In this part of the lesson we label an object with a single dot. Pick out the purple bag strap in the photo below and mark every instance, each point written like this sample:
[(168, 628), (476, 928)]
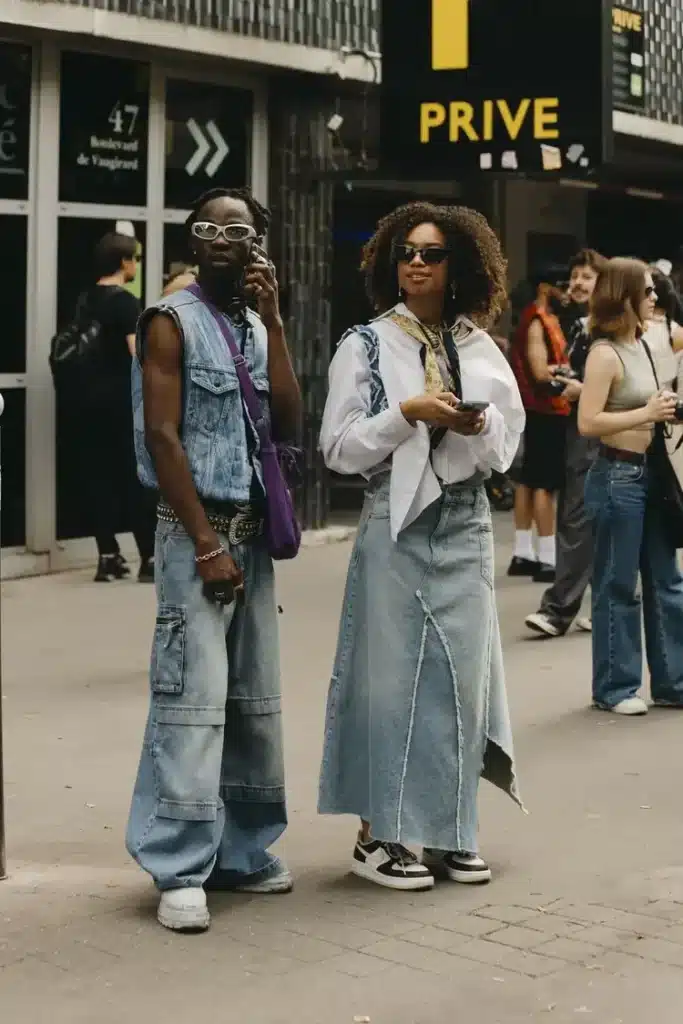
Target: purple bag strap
[(248, 392)]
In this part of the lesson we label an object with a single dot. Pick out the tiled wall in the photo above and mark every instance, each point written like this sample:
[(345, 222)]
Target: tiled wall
[(329, 24), (664, 35)]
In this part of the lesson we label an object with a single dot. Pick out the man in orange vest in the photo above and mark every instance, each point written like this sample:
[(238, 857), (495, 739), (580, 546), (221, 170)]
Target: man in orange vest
[(540, 362)]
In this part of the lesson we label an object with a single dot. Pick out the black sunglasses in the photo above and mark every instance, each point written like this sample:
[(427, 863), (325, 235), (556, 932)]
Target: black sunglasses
[(430, 255)]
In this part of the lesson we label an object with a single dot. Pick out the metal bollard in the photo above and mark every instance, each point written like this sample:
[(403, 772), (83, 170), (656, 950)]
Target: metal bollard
[(3, 856)]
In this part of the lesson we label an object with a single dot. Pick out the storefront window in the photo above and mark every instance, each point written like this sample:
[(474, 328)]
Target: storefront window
[(177, 255), (77, 239), (12, 468), (208, 133), (13, 232), (15, 118), (103, 130)]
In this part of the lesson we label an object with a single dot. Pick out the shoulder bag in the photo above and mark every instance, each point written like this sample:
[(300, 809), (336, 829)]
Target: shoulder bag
[(283, 533), (668, 491)]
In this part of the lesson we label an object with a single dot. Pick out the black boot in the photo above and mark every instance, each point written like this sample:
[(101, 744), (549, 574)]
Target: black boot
[(111, 567), (146, 573)]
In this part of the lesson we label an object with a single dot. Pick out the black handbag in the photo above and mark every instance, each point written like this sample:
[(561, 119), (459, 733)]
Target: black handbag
[(667, 491)]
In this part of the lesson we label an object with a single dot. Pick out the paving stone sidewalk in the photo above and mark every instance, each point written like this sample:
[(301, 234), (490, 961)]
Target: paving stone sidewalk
[(584, 919)]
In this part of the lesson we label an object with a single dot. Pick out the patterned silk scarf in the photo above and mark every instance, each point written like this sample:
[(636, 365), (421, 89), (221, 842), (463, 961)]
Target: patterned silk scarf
[(437, 380)]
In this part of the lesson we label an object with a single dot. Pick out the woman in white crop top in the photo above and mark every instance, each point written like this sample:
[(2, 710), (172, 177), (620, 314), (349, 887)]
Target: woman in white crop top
[(621, 402), (663, 334)]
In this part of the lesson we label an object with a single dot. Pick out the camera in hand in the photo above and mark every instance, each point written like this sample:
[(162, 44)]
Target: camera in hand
[(557, 387), (678, 412)]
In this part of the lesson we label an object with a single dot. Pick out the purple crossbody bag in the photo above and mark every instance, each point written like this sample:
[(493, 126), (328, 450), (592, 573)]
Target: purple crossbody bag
[(283, 533)]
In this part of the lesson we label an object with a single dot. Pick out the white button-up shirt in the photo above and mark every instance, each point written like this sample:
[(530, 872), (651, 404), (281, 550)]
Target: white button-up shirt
[(355, 442)]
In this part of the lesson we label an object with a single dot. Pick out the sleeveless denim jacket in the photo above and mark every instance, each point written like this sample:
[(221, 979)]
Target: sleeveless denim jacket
[(214, 422)]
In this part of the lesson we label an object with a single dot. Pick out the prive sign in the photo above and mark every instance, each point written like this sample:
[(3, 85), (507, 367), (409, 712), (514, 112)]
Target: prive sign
[(493, 85)]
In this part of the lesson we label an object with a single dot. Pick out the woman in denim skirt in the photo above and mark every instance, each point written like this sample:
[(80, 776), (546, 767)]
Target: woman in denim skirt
[(424, 405), (620, 403)]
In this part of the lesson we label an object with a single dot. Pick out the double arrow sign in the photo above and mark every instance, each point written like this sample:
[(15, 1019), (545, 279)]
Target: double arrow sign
[(203, 149)]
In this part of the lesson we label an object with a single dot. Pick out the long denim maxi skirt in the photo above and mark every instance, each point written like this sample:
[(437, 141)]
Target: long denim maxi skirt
[(417, 709)]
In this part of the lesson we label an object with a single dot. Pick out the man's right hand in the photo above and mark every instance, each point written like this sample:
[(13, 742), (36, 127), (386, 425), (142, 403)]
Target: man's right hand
[(222, 567)]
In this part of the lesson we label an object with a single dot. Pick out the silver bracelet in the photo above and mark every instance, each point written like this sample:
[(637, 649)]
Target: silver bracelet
[(211, 555)]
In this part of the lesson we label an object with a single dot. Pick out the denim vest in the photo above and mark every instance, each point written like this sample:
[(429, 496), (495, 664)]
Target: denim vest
[(222, 457)]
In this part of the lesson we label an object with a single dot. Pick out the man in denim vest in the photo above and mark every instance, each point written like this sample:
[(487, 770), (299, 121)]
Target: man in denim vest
[(209, 798)]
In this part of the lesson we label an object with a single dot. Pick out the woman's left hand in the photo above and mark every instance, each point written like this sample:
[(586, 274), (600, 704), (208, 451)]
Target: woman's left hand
[(261, 283)]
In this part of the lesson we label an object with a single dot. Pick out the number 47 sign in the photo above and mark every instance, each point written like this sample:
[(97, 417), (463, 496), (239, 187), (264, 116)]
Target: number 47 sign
[(123, 118), (451, 35)]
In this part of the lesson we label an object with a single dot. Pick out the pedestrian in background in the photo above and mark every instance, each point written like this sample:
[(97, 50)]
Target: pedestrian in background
[(417, 707), (115, 495), (539, 354), (620, 404), (561, 603)]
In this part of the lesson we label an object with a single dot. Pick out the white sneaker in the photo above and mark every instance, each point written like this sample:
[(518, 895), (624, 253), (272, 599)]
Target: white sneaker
[(184, 910), (584, 624), (390, 865), (280, 883), (631, 706), (466, 868), (540, 623)]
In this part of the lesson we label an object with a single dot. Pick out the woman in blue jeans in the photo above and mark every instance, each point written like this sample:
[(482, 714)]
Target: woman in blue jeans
[(620, 404)]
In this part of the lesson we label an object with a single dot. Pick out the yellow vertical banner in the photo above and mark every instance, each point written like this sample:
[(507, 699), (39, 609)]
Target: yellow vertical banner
[(451, 35)]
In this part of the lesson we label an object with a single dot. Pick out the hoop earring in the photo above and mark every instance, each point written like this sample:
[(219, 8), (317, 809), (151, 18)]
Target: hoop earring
[(453, 290)]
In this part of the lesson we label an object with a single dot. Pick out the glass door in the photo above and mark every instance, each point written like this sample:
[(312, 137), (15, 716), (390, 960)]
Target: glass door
[(16, 73)]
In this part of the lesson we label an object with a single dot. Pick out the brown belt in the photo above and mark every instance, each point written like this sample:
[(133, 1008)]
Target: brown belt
[(621, 455)]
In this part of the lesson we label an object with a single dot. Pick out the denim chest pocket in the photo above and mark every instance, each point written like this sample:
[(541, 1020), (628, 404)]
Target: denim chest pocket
[(212, 392)]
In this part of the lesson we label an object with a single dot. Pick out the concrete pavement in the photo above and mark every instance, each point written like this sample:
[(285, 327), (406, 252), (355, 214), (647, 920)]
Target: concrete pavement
[(584, 919)]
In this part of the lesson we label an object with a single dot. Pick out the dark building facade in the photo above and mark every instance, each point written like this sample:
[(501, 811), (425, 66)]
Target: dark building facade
[(268, 74)]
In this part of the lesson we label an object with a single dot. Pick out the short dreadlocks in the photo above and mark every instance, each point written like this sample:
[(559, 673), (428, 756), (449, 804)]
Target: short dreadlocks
[(260, 214), (476, 265)]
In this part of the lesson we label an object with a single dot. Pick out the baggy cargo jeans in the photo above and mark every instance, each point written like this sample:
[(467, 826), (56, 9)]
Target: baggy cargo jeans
[(209, 797)]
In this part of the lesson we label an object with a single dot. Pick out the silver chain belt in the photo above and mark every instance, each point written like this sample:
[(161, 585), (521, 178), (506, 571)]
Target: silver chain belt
[(243, 525)]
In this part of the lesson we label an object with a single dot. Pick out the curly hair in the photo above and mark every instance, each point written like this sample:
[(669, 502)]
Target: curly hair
[(476, 265), (259, 213)]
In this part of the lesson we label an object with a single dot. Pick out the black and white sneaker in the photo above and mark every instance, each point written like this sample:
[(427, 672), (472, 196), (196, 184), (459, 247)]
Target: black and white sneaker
[(466, 868), (390, 865)]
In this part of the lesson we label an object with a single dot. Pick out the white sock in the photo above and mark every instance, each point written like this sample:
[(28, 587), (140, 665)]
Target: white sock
[(546, 550), (524, 545)]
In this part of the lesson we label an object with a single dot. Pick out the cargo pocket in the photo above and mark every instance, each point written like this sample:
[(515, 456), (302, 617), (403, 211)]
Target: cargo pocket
[(168, 653)]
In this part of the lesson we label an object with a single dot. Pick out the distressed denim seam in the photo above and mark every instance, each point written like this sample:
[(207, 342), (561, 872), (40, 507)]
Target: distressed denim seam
[(411, 723), (458, 712)]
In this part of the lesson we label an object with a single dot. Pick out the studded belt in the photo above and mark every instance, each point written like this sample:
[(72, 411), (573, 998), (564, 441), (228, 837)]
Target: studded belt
[(239, 523)]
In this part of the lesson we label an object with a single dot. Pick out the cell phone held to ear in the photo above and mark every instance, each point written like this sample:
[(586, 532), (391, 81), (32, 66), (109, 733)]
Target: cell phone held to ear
[(473, 407)]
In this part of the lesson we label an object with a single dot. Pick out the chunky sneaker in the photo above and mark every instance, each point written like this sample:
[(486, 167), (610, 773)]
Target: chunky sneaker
[(540, 623), (280, 882), (184, 910), (522, 567), (467, 868), (111, 567), (584, 624), (630, 706), (390, 865)]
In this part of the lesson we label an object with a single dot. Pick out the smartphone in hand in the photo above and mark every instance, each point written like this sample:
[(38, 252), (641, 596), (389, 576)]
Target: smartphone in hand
[(473, 406)]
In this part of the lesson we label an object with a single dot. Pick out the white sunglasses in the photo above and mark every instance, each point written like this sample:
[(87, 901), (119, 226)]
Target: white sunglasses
[(208, 232)]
